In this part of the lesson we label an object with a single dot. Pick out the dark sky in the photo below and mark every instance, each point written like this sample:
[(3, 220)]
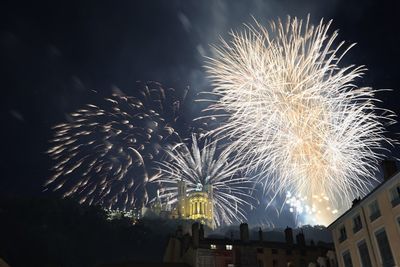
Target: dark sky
[(54, 53)]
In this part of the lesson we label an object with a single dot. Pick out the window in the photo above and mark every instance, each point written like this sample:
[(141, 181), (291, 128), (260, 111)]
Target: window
[(228, 247), (342, 234), (395, 195), (212, 246), (374, 211), (357, 224), (384, 248), (347, 259), (364, 254), (274, 251)]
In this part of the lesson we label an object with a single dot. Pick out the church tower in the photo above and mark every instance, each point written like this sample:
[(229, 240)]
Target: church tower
[(201, 205), (182, 199), (195, 205)]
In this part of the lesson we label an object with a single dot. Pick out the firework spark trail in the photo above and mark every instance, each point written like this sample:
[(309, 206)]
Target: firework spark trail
[(293, 114), (203, 166), (101, 153)]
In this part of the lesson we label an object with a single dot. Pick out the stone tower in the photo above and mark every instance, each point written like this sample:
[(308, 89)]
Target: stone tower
[(182, 199)]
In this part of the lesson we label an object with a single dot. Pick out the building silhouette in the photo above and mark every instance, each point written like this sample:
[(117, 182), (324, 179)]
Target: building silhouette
[(197, 251)]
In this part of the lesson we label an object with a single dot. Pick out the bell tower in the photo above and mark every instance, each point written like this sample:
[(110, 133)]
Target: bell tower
[(182, 199)]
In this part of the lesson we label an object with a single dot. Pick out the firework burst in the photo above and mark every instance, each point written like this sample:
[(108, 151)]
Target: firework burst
[(200, 168), (293, 115), (101, 153), (317, 213)]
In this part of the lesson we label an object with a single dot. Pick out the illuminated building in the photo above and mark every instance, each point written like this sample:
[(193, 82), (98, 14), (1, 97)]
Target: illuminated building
[(114, 214), (368, 234), (196, 205)]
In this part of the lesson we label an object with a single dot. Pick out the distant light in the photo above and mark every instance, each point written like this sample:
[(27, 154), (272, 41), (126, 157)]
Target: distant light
[(228, 247)]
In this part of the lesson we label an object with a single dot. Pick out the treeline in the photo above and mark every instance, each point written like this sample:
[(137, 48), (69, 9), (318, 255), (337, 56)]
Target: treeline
[(60, 232)]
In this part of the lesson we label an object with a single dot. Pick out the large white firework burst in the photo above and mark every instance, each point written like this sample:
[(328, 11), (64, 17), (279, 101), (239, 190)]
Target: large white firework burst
[(202, 167), (294, 115), (101, 153)]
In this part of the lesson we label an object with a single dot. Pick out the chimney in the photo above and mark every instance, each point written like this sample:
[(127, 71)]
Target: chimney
[(389, 169), (300, 239), (244, 232), (289, 235), (260, 234), (201, 232), (356, 201), (195, 234)]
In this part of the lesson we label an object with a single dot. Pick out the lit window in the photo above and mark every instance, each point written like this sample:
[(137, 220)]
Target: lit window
[(213, 246), (228, 247), (374, 211), (395, 195)]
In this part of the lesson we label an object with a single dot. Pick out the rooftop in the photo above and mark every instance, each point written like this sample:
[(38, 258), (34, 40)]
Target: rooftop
[(358, 202)]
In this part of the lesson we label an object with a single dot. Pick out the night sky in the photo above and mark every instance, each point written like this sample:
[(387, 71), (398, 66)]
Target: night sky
[(53, 55)]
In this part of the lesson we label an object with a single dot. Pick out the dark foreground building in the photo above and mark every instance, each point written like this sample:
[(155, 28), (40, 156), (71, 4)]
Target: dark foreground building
[(145, 264), (198, 251)]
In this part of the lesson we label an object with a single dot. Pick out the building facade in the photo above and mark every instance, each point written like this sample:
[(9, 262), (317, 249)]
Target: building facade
[(198, 251), (196, 205), (368, 234)]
